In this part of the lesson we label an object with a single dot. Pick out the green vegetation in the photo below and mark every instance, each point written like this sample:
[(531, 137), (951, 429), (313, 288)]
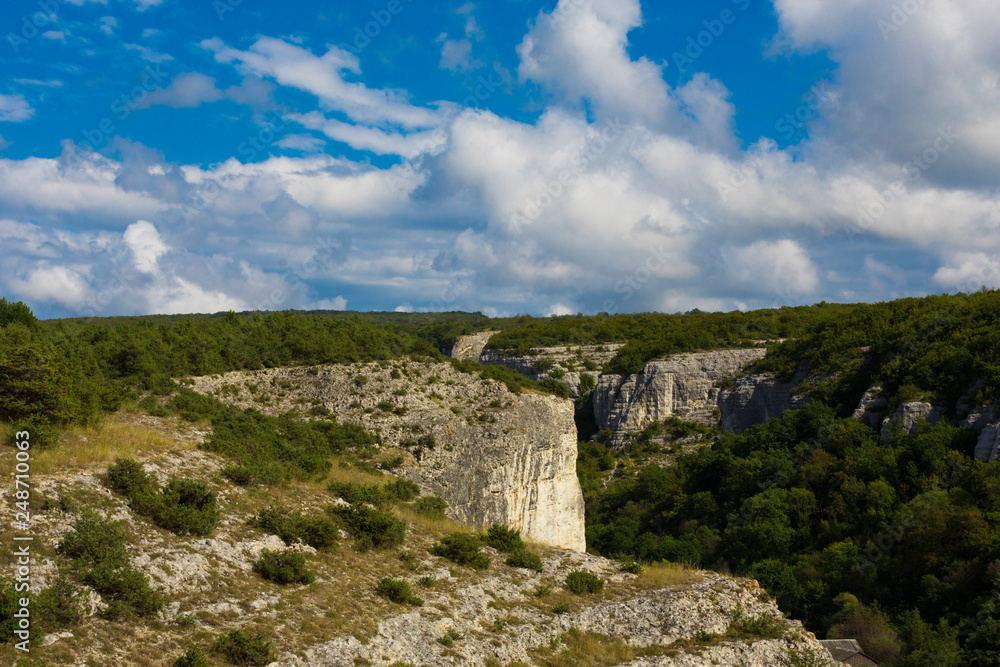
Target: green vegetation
[(317, 532), (431, 506), (581, 582), (98, 547), (503, 539), (268, 450), (523, 558), (464, 549), (397, 590), (283, 567), (371, 528), (183, 506), (193, 657), (249, 648)]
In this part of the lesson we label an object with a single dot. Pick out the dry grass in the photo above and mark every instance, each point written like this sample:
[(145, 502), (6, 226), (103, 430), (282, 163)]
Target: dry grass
[(589, 649), (120, 434), (665, 574)]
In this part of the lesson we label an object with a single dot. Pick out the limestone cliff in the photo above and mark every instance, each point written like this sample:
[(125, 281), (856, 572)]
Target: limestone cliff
[(755, 399), (496, 457), (471, 346), (683, 385)]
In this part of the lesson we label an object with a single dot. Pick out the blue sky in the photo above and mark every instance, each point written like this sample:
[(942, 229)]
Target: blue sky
[(512, 156)]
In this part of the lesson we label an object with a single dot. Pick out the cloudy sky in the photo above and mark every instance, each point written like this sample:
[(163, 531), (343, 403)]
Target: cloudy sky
[(515, 156)]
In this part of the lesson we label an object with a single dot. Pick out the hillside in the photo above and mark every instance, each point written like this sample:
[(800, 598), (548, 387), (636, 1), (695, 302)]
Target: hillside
[(203, 586)]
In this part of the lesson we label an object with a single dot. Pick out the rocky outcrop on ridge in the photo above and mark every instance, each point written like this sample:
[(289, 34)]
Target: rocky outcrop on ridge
[(496, 457), (568, 364), (683, 385)]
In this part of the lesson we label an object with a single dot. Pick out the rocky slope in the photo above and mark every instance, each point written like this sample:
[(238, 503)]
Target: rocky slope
[(496, 458), (501, 616)]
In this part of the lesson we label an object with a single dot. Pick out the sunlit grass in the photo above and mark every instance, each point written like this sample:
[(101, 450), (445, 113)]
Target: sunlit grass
[(119, 435), (663, 574)]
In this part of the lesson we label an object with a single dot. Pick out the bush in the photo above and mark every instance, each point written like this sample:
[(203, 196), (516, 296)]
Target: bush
[(58, 606), (463, 549), (283, 567), (95, 540), (187, 507), (126, 591), (127, 477), (503, 539), (580, 582), (403, 490), (245, 647), (372, 529), (193, 657), (431, 506), (524, 558), (397, 590), (357, 494), (561, 608), (753, 627)]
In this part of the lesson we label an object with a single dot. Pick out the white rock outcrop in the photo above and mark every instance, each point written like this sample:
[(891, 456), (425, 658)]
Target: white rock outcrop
[(988, 446), (683, 385), (909, 414)]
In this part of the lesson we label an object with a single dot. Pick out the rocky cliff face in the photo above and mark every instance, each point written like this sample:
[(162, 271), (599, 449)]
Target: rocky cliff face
[(683, 385), (470, 347), (497, 457), (754, 400)]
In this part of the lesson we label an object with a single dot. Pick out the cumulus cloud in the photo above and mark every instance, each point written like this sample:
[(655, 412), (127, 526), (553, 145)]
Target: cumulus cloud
[(777, 266), (144, 241)]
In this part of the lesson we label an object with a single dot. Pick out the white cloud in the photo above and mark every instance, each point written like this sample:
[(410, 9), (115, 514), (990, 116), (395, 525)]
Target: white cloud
[(189, 89), (144, 241), (148, 54), (323, 76), (782, 267), (306, 143), (143, 5), (968, 271), (337, 303), (51, 83), (14, 108), (49, 283), (108, 25), (55, 35)]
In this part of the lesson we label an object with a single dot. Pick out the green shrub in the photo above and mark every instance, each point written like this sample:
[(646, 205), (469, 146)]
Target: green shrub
[(95, 540), (397, 590), (128, 477), (580, 582), (764, 626), (356, 494), (431, 506), (392, 463), (463, 549), (370, 528), (284, 567), (524, 558), (249, 648), (630, 565), (403, 490), (503, 539), (125, 590), (193, 657), (561, 608), (187, 507), (57, 606), (239, 475)]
